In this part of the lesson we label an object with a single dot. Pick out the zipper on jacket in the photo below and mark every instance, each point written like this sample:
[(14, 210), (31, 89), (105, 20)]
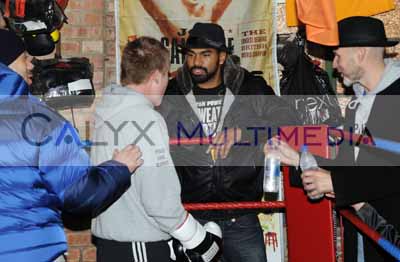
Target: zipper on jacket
[(213, 155)]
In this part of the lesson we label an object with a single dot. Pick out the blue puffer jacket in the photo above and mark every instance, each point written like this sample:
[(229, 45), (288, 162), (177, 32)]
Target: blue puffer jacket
[(44, 170)]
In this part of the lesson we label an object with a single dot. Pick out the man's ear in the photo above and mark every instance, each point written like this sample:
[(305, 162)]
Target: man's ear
[(222, 57), (155, 77), (361, 53)]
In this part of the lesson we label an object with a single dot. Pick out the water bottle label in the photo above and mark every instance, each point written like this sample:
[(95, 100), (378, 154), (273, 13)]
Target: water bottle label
[(271, 175), (273, 165)]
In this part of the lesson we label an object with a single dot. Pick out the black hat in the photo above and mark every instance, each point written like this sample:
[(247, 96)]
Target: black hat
[(363, 31), (206, 35), (11, 46)]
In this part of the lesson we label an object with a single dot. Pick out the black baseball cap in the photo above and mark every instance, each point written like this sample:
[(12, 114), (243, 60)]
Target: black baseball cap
[(206, 35)]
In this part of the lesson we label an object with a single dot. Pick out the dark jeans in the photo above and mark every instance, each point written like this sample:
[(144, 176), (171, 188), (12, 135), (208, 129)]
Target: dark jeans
[(242, 239)]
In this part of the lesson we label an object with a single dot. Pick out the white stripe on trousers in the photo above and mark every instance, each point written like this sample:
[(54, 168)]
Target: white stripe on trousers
[(144, 251), (139, 252)]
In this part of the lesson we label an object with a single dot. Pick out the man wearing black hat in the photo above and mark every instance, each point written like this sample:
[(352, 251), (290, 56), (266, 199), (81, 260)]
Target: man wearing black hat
[(212, 97), (12, 54), (43, 169), (365, 173)]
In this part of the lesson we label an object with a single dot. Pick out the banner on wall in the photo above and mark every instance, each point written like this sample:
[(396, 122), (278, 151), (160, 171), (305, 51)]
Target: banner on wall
[(274, 229), (274, 236), (249, 28)]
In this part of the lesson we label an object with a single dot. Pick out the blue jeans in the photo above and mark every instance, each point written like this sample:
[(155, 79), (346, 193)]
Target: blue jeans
[(242, 239), (360, 248)]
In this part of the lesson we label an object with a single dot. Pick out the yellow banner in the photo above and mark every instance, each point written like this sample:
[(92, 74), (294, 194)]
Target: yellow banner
[(249, 27)]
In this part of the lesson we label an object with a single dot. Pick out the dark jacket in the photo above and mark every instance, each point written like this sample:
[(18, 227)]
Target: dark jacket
[(249, 102), (372, 218), (374, 177)]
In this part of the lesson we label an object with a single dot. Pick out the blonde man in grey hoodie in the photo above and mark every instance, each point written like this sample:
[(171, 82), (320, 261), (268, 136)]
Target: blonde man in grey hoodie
[(139, 225)]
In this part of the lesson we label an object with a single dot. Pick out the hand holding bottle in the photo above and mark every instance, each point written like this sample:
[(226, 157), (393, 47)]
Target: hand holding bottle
[(287, 155), (316, 181)]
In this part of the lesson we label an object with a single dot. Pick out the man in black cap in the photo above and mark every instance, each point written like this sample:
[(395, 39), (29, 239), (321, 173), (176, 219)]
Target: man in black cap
[(214, 98), (364, 173), (44, 169)]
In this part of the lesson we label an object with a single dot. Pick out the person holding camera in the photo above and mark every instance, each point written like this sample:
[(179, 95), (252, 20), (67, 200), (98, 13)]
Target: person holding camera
[(44, 170)]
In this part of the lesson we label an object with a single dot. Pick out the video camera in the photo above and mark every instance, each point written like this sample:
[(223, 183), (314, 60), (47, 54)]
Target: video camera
[(36, 21), (61, 83)]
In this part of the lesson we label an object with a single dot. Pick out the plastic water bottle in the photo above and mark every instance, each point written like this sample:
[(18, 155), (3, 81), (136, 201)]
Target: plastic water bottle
[(307, 162), (272, 172)]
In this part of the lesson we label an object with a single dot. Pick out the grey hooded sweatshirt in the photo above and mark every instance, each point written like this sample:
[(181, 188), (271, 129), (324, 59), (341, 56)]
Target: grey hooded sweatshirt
[(151, 208), (366, 99)]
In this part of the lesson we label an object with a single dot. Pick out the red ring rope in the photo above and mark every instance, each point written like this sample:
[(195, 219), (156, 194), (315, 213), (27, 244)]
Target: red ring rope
[(235, 205)]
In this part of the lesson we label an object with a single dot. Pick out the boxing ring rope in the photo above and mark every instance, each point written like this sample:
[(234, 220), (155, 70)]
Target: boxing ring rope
[(380, 143), (372, 234), (236, 205), (387, 145), (190, 141), (357, 222)]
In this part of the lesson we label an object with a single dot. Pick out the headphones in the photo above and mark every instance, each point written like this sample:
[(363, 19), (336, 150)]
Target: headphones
[(41, 43), (36, 21)]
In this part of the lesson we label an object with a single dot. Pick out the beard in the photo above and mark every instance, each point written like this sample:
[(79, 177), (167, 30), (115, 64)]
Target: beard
[(347, 82), (353, 77), (202, 78), (354, 73)]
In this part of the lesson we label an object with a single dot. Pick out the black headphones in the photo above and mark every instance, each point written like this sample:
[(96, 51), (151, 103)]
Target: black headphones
[(39, 44), (39, 25)]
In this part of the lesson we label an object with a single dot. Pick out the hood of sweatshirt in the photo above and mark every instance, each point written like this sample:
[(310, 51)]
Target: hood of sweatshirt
[(365, 100), (116, 100), (390, 74)]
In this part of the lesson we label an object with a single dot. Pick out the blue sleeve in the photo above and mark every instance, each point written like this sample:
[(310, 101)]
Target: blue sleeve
[(66, 171), (94, 192)]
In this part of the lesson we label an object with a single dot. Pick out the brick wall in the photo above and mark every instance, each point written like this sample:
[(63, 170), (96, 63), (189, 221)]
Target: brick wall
[(90, 32), (80, 246), (84, 36)]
